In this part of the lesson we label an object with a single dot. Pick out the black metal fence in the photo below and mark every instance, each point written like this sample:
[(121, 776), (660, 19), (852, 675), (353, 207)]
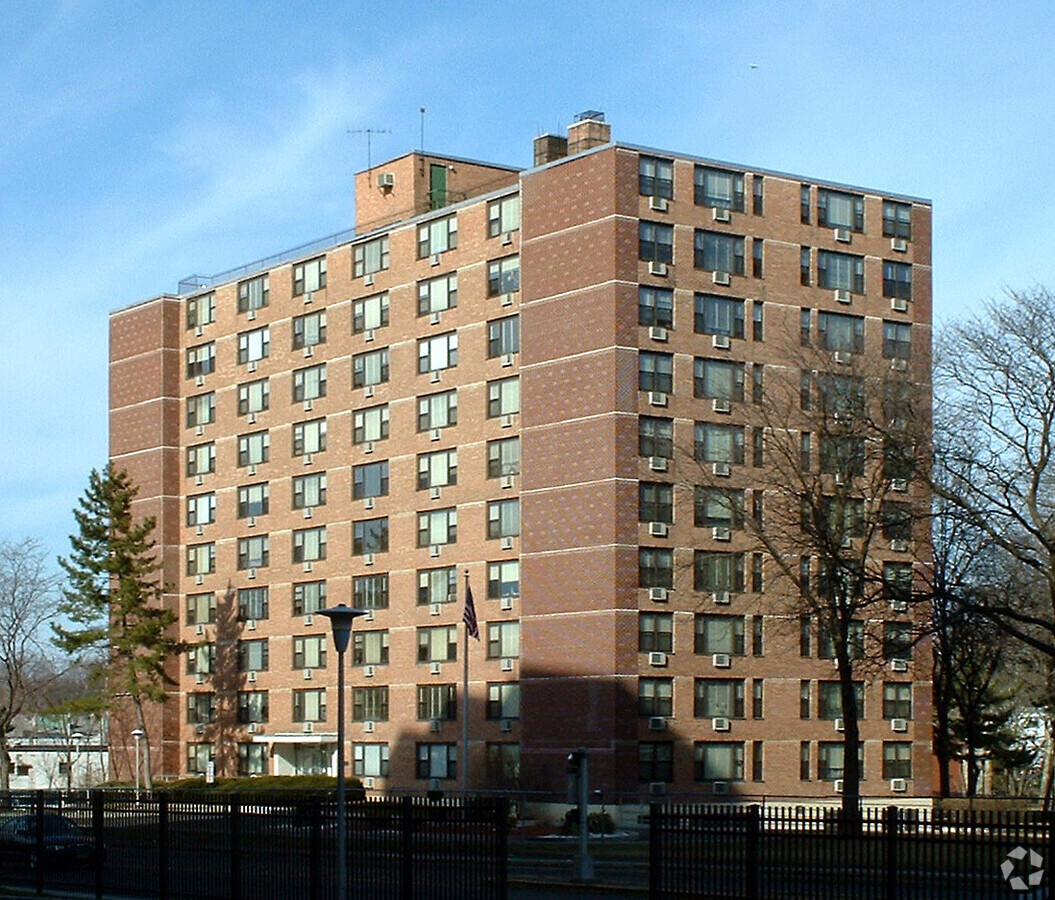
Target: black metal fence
[(778, 853), (259, 847)]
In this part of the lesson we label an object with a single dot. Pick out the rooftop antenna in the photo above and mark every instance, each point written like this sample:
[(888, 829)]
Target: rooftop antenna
[(369, 132), (422, 145)]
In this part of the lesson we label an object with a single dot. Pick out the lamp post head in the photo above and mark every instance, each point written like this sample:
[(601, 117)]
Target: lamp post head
[(341, 618)]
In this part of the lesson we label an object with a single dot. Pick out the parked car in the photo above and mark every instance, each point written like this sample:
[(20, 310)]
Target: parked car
[(65, 842)]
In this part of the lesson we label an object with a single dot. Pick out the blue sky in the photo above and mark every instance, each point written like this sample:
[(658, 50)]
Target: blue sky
[(143, 142)]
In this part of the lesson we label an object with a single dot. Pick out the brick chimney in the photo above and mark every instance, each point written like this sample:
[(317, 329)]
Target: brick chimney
[(588, 130)]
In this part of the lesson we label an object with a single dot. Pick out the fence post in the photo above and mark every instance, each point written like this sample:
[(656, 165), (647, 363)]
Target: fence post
[(163, 844), (890, 838), (38, 874), (406, 848), (315, 849), (98, 841), (754, 822), (655, 848), (502, 849), (236, 846)]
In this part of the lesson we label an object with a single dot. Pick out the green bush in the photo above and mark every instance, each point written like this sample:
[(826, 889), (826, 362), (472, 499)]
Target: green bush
[(597, 822)]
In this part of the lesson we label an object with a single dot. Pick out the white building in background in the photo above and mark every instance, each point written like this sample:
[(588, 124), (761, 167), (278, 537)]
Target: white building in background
[(58, 752)]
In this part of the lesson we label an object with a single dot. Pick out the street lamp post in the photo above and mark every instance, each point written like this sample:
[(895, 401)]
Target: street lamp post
[(137, 734), (341, 618)]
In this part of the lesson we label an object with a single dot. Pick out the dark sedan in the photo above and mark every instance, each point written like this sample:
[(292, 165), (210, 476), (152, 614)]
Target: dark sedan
[(65, 843)]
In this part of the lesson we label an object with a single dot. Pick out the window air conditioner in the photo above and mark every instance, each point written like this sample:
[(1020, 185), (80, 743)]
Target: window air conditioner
[(435, 726), (899, 665), (837, 785), (899, 546), (199, 479), (898, 304), (435, 668), (369, 334), (507, 238), (657, 463), (368, 503), (899, 605), (899, 484), (199, 629), (657, 658), (434, 493), (368, 559), (368, 727), (720, 787), (506, 481), (721, 533), (899, 725), (252, 574), (386, 180), (368, 781), (199, 678), (253, 728), (507, 543), (250, 676), (507, 421), (507, 725), (309, 619), (721, 598), (657, 723), (434, 609), (721, 469), (898, 785), (720, 405), (435, 260), (657, 788), (657, 529), (899, 244), (506, 603), (199, 381), (657, 398), (842, 235), (434, 550), (720, 341), (309, 727), (507, 665), (200, 729), (719, 214), (368, 279), (898, 365), (658, 594), (199, 579), (840, 725), (368, 671), (660, 204), (720, 723), (507, 360), (657, 333), (507, 299), (721, 660), (307, 674), (659, 269), (720, 277)]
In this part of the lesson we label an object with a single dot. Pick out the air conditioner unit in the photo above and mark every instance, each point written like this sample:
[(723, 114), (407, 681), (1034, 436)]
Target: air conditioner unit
[(368, 727), (657, 788), (721, 598), (369, 617), (435, 725), (386, 180), (899, 665), (840, 479), (307, 459), (721, 660), (720, 277), (368, 503), (721, 533), (659, 269), (307, 406), (507, 725), (842, 296), (435, 318), (658, 594), (507, 665), (660, 204), (507, 421), (720, 723), (307, 512), (657, 658), (898, 244), (507, 543), (842, 235), (898, 365), (837, 785), (199, 678), (200, 729), (252, 469), (720, 787), (657, 723), (368, 781), (434, 493), (435, 668), (899, 546), (309, 727), (308, 351), (199, 579), (657, 529), (368, 279), (899, 304), (506, 603), (899, 725), (657, 398), (250, 624), (199, 479), (252, 365), (657, 463), (507, 360), (253, 728), (368, 391), (434, 550), (507, 299), (507, 238), (250, 676), (721, 469), (721, 405), (657, 333), (368, 447), (199, 629), (368, 671), (506, 481), (719, 214), (899, 484), (847, 543), (435, 260), (434, 609), (840, 725), (200, 380), (200, 429), (368, 559), (898, 785), (252, 574), (307, 674), (309, 619), (369, 334), (720, 341)]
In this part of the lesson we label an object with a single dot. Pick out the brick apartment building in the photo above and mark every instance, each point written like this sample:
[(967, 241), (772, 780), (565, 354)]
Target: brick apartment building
[(495, 375)]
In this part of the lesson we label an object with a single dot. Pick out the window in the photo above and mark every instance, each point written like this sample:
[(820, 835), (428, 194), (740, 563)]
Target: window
[(655, 761), (840, 395), (201, 360), (437, 236), (253, 293), (201, 609), (370, 760), (201, 509), (309, 652), (253, 656), (201, 410), (503, 276), (503, 336), (503, 518), (370, 368), (829, 761), (896, 519), (309, 544), (718, 188), (719, 443), (503, 216), (370, 536), (309, 705), (757, 258), (438, 294), (718, 571), (438, 643), (309, 383), (897, 280), (253, 500), (201, 459), (804, 204), (804, 695), (252, 706), (309, 597), (370, 648), (655, 697), (437, 761), (757, 629), (897, 220), (503, 579), (897, 640), (718, 379), (719, 315), (309, 330), (719, 252), (655, 567), (655, 242), (840, 332), (655, 437), (503, 701), (720, 634), (437, 585), (309, 491), (897, 581), (201, 310), (438, 469), (437, 410), (655, 632), (655, 177), (436, 353), (370, 424), (655, 306), (370, 704), (842, 455), (804, 266), (841, 271), (201, 708), (503, 397), (254, 345), (370, 591), (503, 640), (756, 761), (804, 760), (503, 457), (897, 759), (719, 698), (438, 526), (655, 372), (201, 559), (897, 700), (830, 700), (855, 640), (655, 502), (309, 276), (437, 701), (198, 758), (897, 340), (369, 313), (309, 437), (718, 761), (757, 383), (254, 397), (253, 552), (758, 196), (370, 480), (370, 257), (844, 517), (201, 659), (718, 508), (252, 603), (838, 210)]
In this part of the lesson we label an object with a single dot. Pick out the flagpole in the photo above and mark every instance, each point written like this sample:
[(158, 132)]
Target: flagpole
[(465, 693)]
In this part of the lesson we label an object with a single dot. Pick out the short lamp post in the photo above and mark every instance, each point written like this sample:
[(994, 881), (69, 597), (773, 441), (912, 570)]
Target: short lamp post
[(341, 618), (137, 734)]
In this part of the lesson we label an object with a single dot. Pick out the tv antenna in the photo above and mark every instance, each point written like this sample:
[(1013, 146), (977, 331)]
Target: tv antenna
[(369, 132)]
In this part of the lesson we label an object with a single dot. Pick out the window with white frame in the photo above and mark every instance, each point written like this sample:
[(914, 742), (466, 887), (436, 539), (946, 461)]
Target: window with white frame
[(253, 448), (716, 252), (309, 383), (437, 469), (503, 700), (437, 761), (503, 276), (503, 397), (438, 643), (309, 491), (370, 368), (201, 608), (437, 410), (718, 761), (201, 559), (503, 518), (369, 313), (437, 585), (370, 424), (309, 544), (309, 330), (201, 360), (201, 659), (437, 236), (370, 591), (503, 457), (503, 579), (254, 396), (309, 437), (503, 640), (309, 276), (437, 526), (201, 707), (437, 294), (503, 336), (437, 353), (503, 216), (370, 480), (201, 310), (841, 271), (253, 293), (201, 509), (370, 257), (369, 648), (836, 209), (254, 345), (309, 597), (252, 706), (253, 552), (370, 760), (201, 459), (309, 652), (253, 603), (198, 758), (309, 705), (370, 536), (201, 410), (719, 188)]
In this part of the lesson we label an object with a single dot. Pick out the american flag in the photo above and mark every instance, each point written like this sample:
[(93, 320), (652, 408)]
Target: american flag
[(469, 616)]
